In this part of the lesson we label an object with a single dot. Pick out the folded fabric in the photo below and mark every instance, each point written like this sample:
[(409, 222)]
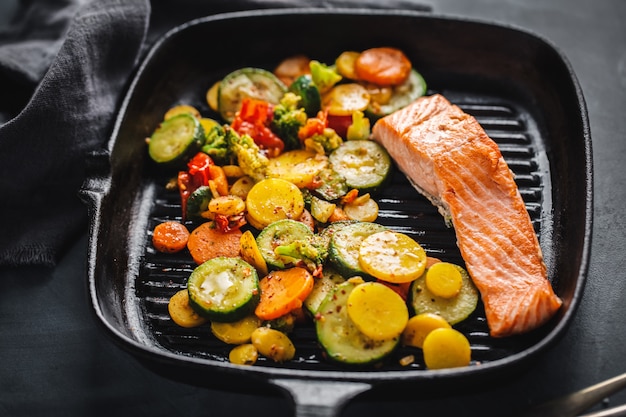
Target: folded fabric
[(64, 65), (43, 147)]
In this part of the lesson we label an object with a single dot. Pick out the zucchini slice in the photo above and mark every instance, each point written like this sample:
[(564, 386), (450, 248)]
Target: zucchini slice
[(364, 164), (322, 286), (198, 203), (401, 96), (343, 251), (224, 289), (281, 232), (176, 140), (249, 82), (339, 336), (453, 310)]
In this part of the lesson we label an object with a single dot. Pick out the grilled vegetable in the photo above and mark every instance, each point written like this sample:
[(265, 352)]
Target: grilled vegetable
[(224, 289), (343, 252), (322, 286), (245, 354), (323, 76), (418, 327), (345, 99), (377, 311), (283, 291), (250, 252), (274, 199), (364, 164), (273, 344), (281, 233), (198, 203), (310, 99), (237, 332), (446, 348), (454, 309), (176, 140), (244, 83), (339, 336), (207, 241), (363, 208), (399, 96), (345, 63), (288, 117), (300, 167), (170, 237), (392, 256), (382, 66), (181, 312)]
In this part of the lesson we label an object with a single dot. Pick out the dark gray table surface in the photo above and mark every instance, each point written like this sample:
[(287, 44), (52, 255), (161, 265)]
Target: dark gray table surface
[(56, 361)]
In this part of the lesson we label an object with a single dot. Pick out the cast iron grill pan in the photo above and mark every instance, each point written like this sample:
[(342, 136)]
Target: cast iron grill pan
[(518, 86), (401, 209)]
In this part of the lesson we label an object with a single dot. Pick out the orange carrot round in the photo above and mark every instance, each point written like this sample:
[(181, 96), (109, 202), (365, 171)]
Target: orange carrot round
[(170, 237), (383, 66), (283, 291), (208, 242)]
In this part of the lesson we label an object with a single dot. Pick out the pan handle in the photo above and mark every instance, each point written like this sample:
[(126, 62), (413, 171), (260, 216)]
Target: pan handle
[(312, 398)]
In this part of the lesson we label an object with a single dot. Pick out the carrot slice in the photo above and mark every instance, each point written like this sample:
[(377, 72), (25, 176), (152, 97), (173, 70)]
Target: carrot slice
[(208, 242), (383, 66), (283, 291), (170, 237)]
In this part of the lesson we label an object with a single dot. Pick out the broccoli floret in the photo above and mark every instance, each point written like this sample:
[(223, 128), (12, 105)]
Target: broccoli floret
[(311, 252), (325, 142), (360, 127), (217, 145), (249, 156), (324, 77), (288, 119)]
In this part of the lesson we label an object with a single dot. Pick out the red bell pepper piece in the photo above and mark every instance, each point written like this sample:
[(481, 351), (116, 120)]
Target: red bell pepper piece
[(254, 119)]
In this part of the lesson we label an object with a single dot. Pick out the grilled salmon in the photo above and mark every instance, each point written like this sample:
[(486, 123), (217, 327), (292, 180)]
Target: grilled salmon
[(450, 159)]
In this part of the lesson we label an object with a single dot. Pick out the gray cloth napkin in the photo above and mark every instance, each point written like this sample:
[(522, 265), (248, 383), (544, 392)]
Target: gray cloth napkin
[(64, 66)]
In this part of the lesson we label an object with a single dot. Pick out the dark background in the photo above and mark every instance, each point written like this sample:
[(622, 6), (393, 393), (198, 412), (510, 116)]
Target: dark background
[(56, 361)]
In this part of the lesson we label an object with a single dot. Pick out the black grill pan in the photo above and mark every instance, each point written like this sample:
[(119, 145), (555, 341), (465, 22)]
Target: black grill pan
[(519, 87)]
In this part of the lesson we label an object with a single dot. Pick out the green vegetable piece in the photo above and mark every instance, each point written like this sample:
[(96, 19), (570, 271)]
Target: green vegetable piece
[(176, 140), (217, 145), (455, 309), (254, 83), (310, 97), (339, 336), (224, 289), (288, 119), (248, 154), (364, 164), (323, 76), (360, 127)]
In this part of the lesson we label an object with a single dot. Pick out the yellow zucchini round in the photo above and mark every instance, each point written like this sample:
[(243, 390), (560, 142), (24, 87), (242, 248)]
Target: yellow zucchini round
[(250, 253), (392, 256), (181, 312), (299, 166), (236, 333), (419, 326), (345, 64), (245, 354), (444, 280), (446, 348), (377, 311), (274, 199)]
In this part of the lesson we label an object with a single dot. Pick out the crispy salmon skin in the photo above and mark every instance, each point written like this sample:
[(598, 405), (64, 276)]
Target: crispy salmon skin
[(449, 158)]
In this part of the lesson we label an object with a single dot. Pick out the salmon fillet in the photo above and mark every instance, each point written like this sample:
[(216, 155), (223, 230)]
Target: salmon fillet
[(449, 158)]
